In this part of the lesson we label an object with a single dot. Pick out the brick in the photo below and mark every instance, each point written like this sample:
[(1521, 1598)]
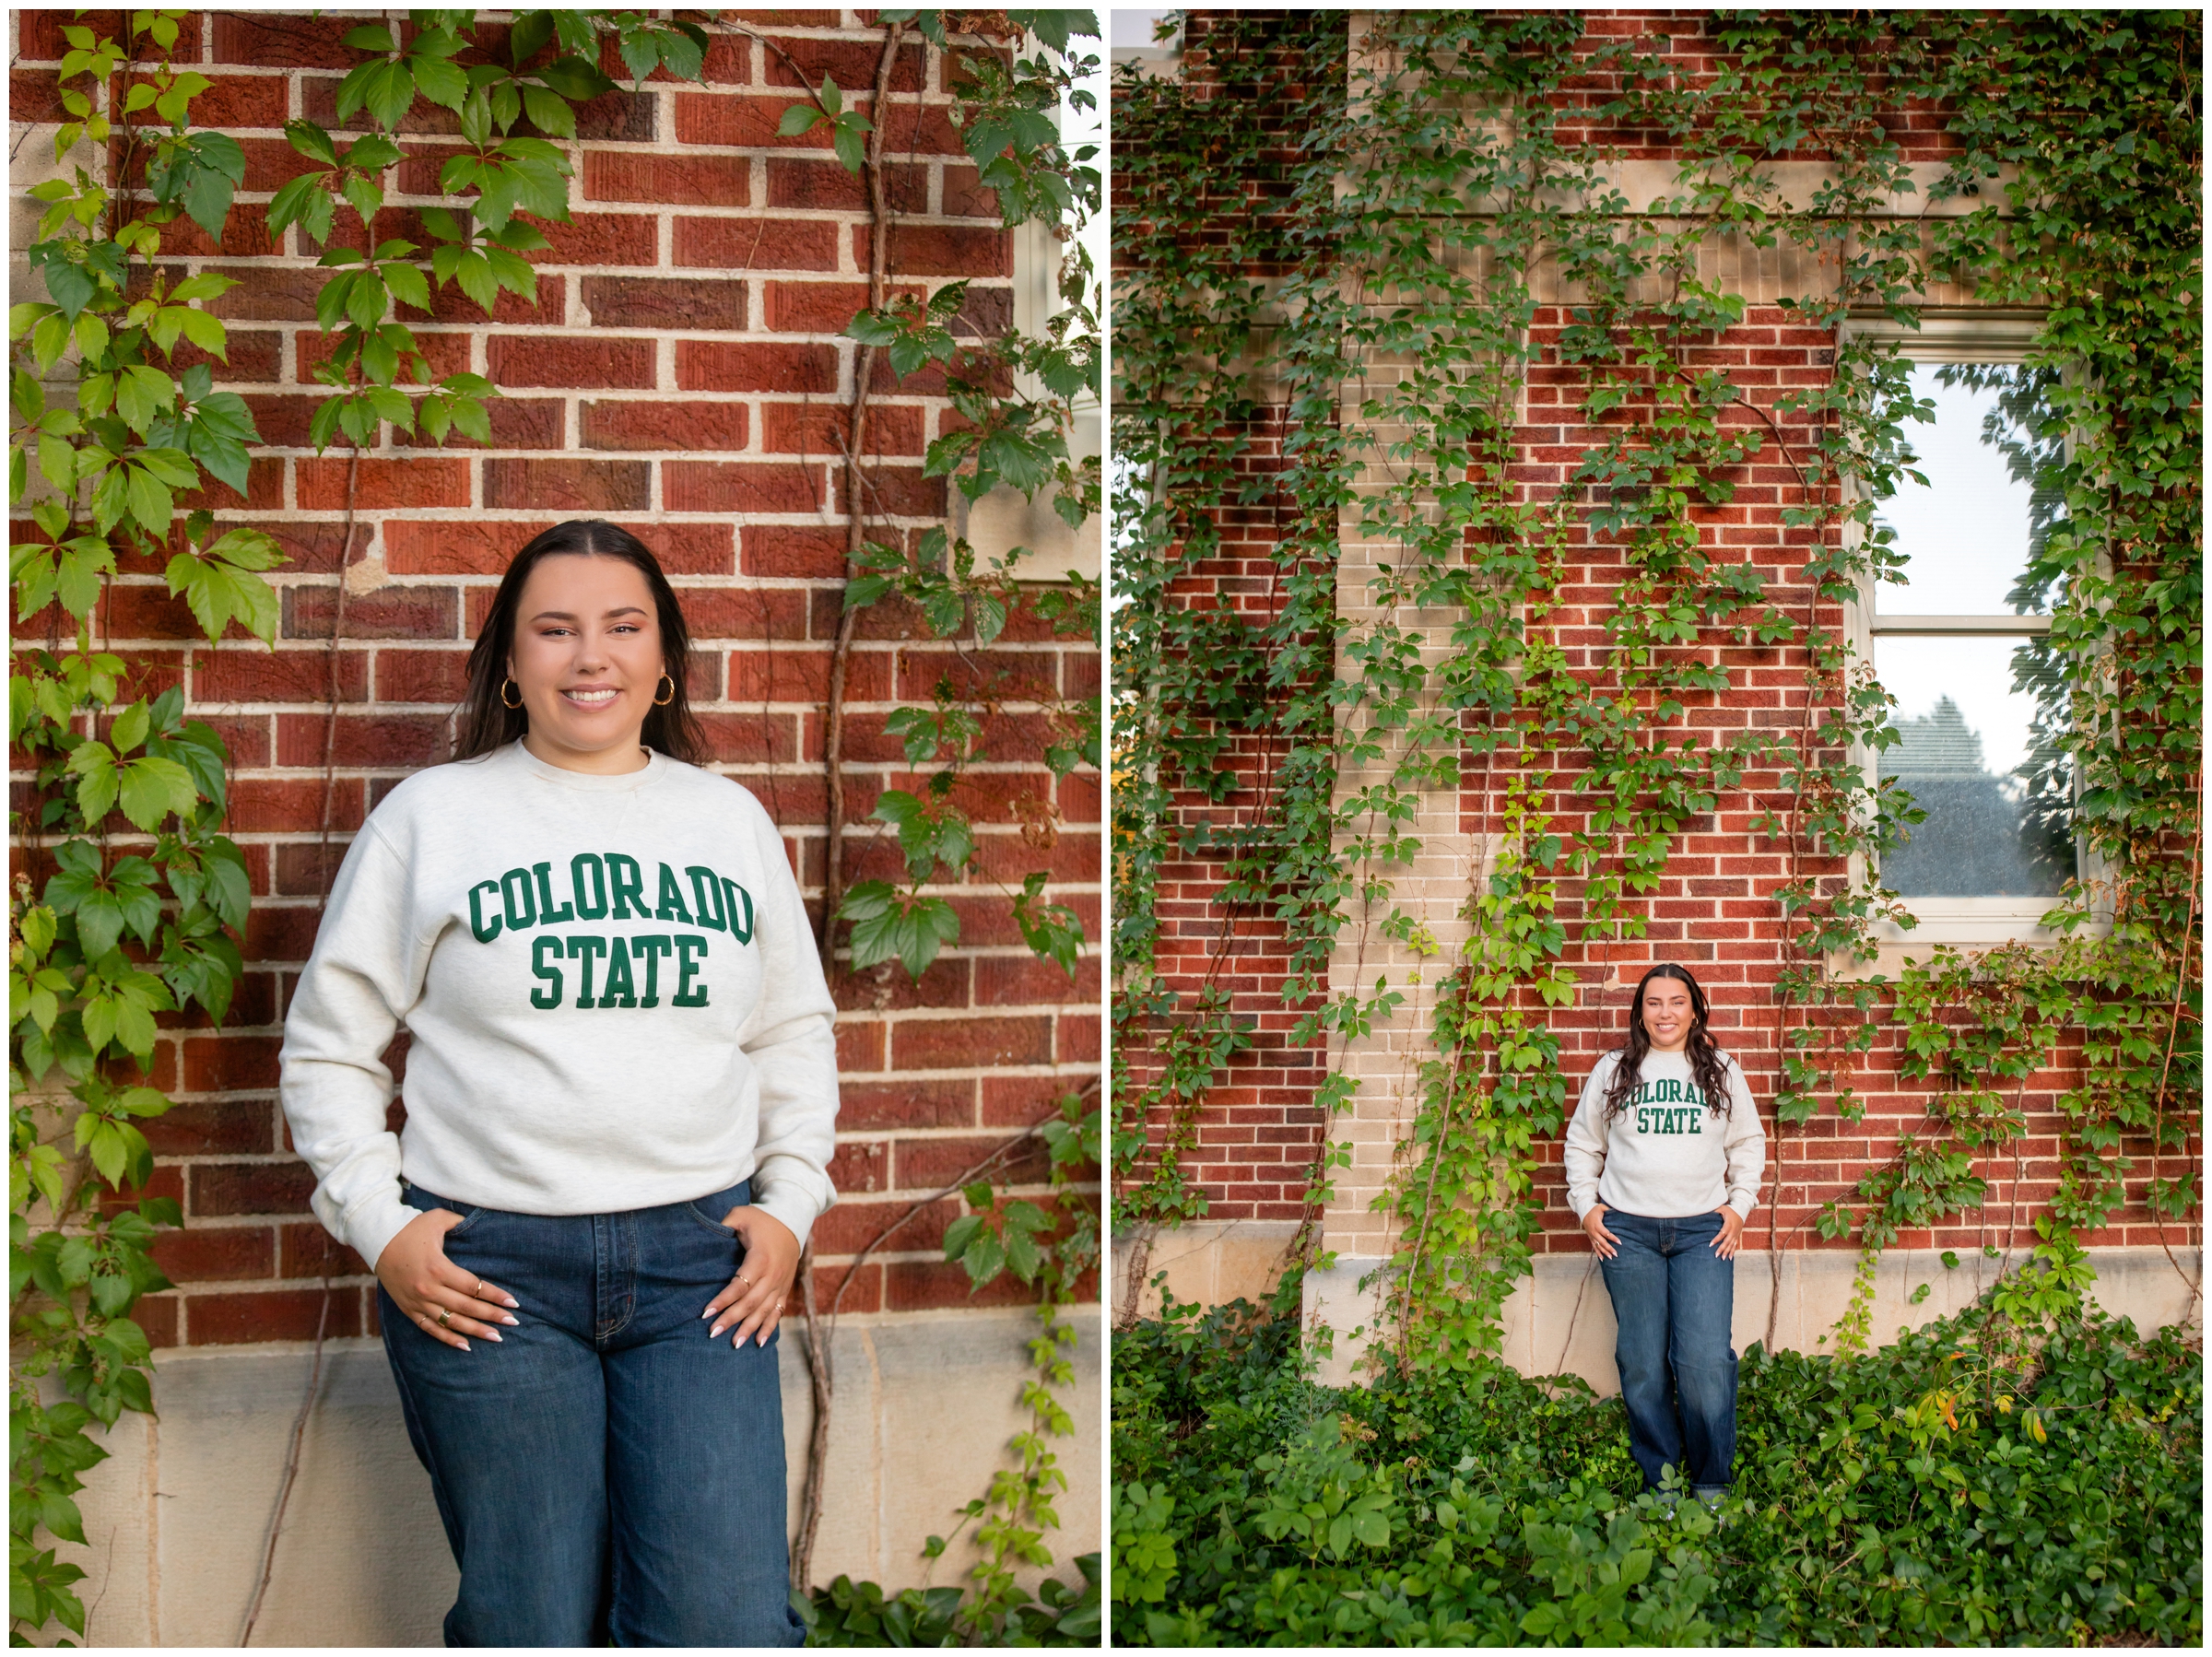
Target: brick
[(204, 1127), (233, 101), (34, 95), (516, 423), (776, 549), (926, 1286), (927, 250), (756, 244), (888, 988), (392, 613), (566, 485), (852, 1226), (933, 1104), (692, 302), (739, 486), (706, 365), (226, 1188), (595, 363), (962, 1043), (599, 239), (421, 676), (212, 1254), (305, 1249), (547, 307), (692, 425), (381, 484), (686, 180), (443, 353), (721, 120), (273, 41), (40, 37), (272, 1315), (819, 430), (360, 741), (860, 1166)]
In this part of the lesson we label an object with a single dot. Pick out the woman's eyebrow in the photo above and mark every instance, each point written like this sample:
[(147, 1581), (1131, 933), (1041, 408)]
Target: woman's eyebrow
[(570, 616)]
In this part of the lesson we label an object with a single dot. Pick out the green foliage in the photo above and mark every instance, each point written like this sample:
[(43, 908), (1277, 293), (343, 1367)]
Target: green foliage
[(1999, 1477), (1015, 395)]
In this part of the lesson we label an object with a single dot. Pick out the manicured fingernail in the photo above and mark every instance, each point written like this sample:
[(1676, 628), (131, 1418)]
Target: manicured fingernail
[(465, 1345), (714, 1333), (510, 1301), (511, 1323), (708, 1313), (763, 1337), (491, 1334)]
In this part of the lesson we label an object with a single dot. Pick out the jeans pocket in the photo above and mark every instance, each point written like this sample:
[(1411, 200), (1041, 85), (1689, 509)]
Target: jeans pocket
[(709, 1208), (423, 1202)]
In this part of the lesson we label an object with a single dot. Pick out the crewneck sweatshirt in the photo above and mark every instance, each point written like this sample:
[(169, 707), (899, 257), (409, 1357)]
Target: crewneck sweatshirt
[(611, 989), (1665, 1155)]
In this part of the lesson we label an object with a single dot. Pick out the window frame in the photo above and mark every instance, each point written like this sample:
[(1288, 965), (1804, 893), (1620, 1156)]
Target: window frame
[(1992, 336)]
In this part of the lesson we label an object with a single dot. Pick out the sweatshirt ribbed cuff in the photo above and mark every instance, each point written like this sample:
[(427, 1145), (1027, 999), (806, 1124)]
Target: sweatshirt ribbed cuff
[(786, 1197), (371, 1226)]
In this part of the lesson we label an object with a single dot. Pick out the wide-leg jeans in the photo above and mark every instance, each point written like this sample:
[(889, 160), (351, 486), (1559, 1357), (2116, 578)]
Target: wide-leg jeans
[(1674, 1300), (606, 1472)]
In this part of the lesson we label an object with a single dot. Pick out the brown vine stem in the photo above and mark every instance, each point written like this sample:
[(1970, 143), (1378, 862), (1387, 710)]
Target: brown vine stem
[(820, 1346), (819, 1375), (864, 364), (324, 882)]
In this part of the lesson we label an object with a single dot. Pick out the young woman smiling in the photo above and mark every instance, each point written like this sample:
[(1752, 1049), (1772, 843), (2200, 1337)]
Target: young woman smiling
[(621, 1097), (1663, 1156)]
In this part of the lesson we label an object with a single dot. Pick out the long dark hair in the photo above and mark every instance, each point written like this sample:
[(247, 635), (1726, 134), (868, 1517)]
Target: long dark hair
[(1707, 1064), (486, 722)]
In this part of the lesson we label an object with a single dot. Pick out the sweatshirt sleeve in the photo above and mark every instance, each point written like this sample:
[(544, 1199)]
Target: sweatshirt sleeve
[(1586, 1140), (367, 970), (1745, 1144), (791, 1039)]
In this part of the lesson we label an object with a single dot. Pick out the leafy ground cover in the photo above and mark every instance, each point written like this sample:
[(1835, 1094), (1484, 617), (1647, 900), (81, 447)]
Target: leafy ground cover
[(2028, 1472)]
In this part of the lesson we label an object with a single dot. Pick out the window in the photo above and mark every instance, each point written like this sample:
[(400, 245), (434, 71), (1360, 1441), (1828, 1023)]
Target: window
[(1003, 518), (1962, 645)]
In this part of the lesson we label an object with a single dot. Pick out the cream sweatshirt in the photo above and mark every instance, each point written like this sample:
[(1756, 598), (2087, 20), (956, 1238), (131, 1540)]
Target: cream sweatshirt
[(613, 996), (1665, 1155)]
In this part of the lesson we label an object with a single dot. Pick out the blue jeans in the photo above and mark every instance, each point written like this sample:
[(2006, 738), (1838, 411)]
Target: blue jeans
[(1674, 1300), (606, 1472)]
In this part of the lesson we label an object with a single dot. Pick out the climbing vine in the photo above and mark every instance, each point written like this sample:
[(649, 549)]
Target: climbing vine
[(1443, 229)]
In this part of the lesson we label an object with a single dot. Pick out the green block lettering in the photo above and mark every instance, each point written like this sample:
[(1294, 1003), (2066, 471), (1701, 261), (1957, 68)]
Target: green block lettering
[(1642, 1125), (737, 897), (652, 948), (515, 895), (586, 947), (579, 866), (544, 958), (709, 899), (685, 944), (627, 881), (672, 899), (547, 913), (484, 935), (620, 992)]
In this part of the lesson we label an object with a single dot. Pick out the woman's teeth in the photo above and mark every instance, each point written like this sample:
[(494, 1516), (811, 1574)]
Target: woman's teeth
[(590, 698)]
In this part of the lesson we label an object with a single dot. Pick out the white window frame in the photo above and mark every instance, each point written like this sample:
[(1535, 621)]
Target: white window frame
[(1002, 520), (1974, 922)]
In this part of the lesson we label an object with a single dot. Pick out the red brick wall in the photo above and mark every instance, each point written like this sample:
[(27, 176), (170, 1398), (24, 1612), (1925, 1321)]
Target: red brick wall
[(681, 372), (1257, 1134)]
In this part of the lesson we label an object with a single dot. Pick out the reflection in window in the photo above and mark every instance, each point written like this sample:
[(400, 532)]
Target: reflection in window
[(1962, 645)]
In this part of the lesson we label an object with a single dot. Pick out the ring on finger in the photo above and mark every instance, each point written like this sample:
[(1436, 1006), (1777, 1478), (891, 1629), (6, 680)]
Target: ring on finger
[(744, 1279), (445, 1318)]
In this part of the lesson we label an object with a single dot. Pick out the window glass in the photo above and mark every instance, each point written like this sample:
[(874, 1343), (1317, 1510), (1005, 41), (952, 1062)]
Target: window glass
[(1965, 533), (1973, 719)]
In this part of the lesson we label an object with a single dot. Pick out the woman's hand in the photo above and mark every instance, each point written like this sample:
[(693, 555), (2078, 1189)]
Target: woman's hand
[(1600, 1239), (423, 1284), (754, 1300), (1732, 1232)]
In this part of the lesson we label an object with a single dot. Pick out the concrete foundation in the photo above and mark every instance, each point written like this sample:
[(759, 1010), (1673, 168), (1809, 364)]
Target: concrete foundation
[(177, 1519), (1560, 1320)]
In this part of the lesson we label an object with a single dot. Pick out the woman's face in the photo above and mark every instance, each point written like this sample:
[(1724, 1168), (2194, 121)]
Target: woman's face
[(586, 657), (1667, 1013)]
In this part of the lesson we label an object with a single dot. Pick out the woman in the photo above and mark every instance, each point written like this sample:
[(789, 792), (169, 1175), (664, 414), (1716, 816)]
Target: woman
[(1663, 1162), (621, 1098)]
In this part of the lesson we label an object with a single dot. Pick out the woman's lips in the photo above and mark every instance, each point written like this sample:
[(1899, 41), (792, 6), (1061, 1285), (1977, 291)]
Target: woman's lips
[(593, 699)]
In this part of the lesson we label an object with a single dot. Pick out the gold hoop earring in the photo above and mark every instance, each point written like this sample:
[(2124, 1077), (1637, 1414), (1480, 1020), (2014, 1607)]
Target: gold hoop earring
[(662, 702), (518, 694)]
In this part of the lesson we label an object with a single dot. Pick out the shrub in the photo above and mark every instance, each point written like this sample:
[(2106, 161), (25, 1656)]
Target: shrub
[(1982, 1481)]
